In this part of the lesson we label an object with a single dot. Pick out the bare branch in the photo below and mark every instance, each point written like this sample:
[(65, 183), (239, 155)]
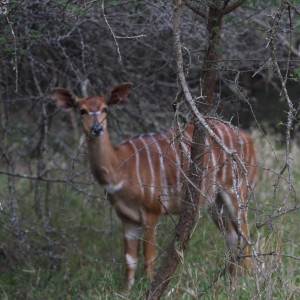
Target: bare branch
[(294, 7), (15, 54), (290, 116), (195, 8), (115, 37), (233, 6)]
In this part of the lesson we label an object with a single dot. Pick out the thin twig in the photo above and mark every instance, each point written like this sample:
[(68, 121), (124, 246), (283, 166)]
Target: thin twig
[(15, 48), (115, 37)]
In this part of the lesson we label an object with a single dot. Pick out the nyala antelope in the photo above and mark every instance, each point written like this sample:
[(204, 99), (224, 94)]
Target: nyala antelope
[(144, 175)]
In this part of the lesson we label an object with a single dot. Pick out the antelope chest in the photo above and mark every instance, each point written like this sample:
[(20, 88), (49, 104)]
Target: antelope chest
[(125, 205), (113, 188)]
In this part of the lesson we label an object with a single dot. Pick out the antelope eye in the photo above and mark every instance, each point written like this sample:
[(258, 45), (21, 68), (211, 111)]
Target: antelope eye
[(83, 112), (105, 110)]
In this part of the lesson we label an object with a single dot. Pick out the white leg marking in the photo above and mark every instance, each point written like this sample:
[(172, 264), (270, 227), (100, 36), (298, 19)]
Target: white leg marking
[(247, 148), (137, 166), (131, 262), (150, 165)]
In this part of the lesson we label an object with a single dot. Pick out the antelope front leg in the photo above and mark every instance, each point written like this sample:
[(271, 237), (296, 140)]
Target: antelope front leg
[(132, 239), (149, 246), (246, 251), (235, 228), (242, 231), (237, 233)]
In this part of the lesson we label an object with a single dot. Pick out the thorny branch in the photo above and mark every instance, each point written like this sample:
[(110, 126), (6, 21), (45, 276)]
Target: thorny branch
[(4, 11), (291, 111)]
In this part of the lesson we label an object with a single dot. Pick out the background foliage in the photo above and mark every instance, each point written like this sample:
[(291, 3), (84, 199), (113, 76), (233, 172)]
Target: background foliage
[(58, 234)]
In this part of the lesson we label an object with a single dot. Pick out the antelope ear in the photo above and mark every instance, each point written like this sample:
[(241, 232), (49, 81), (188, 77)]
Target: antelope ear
[(64, 99), (119, 94)]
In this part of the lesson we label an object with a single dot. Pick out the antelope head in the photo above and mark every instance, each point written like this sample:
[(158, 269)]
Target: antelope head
[(93, 109)]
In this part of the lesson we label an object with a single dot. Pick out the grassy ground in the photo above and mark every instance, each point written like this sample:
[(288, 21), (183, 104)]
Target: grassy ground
[(78, 252)]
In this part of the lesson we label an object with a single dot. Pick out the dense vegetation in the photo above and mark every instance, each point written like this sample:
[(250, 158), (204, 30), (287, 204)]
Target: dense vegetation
[(59, 237)]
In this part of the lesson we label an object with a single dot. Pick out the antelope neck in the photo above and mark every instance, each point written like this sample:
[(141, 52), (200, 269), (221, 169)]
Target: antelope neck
[(103, 159)]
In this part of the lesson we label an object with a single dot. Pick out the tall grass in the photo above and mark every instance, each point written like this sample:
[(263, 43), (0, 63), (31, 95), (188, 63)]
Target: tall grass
[(77, 253)]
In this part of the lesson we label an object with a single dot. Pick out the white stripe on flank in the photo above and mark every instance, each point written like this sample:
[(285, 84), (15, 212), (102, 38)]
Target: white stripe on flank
[(177, 163), (211, 163), (223, 162), (188, 137), (163, 179), (150, 165), (214, 165), (251, 155), (184, 143), (246, 152), (185, 149), (231, 147), (229, 135), (233, 169), (137, 165), (206, 142)]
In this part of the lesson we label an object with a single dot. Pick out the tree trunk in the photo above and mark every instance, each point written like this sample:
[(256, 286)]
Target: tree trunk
[(190, 206), (186, 221), (209, 74)]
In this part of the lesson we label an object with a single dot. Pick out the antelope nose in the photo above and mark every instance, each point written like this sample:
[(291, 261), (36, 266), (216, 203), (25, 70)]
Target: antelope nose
[(96, 129)]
